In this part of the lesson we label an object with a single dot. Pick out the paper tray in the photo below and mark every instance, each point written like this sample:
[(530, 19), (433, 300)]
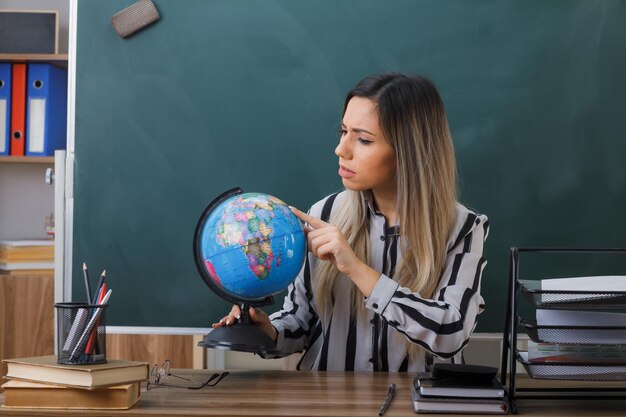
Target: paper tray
[(579, 300), (581, 335), (572, 371)]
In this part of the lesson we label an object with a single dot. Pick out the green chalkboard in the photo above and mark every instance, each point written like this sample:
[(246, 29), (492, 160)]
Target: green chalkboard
[(248, 93)]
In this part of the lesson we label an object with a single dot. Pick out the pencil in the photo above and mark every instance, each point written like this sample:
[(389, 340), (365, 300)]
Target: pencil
[(80, 345), (100, 282), (87, 287)]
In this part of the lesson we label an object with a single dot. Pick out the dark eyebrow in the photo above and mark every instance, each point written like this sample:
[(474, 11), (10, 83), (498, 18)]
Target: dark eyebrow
[(359, 130)]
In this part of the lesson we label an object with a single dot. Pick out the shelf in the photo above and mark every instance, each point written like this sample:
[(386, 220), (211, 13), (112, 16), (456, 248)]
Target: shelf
[(579, 335), (34, 57), (58, 60), (49, 160), (584, 371), (572, 300)]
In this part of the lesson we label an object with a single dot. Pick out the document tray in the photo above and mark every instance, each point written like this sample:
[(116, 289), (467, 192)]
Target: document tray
[(575, 300), (581, 335), (572, 371)]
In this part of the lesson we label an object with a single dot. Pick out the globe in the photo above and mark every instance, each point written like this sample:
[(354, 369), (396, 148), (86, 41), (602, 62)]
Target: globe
[(247, 247)]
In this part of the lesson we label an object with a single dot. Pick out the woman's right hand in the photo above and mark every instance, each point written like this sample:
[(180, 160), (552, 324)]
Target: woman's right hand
[(257, 316)]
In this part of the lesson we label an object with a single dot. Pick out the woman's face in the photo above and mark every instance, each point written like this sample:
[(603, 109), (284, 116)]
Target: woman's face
[(366, 159)]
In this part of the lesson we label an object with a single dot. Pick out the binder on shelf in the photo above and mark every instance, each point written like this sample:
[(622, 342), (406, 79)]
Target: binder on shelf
[(18, 110), (5, 108), (47, 109)]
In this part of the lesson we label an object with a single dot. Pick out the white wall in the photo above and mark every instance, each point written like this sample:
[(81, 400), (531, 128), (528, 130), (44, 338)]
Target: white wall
[(25, 201)]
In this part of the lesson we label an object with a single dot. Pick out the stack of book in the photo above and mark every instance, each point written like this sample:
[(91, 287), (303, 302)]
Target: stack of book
[(27, 257), (462, 389), (40, 382)]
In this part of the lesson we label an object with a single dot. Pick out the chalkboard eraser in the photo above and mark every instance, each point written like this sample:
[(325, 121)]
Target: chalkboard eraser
[(136, 16)]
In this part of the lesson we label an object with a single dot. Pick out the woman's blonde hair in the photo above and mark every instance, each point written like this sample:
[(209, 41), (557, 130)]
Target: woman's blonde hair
[(412, 118)]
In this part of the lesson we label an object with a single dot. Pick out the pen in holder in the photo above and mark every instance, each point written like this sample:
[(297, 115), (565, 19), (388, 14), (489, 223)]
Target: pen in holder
[(81, 331)]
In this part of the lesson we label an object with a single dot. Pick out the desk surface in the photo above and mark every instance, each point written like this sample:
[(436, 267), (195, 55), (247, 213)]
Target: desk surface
[(292, 393)]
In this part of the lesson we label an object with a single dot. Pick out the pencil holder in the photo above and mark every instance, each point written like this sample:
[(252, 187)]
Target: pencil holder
[(81, 333)]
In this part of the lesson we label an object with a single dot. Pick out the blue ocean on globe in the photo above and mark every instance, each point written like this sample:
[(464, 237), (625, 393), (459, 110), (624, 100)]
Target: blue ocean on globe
[(252, 245)]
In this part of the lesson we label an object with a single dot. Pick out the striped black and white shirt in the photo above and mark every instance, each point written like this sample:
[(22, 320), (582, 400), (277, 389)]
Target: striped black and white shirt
[(441, 325)]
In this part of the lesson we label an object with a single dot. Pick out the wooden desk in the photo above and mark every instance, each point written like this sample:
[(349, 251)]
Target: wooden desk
[(292, 393)]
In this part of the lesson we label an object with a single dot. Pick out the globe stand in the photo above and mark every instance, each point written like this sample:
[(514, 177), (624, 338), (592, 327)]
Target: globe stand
[(243, 336)]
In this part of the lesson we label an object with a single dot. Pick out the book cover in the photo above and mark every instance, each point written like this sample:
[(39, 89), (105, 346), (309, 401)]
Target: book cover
[(45, 369), (26, 251), (596, 353), (448, 405), (27, 272), (447, 387), (18, 243), (21, 394), (15, 266)]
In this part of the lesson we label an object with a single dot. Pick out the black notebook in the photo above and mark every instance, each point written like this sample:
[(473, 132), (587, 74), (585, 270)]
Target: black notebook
[(447, 387), (473, 373), (458, 380)]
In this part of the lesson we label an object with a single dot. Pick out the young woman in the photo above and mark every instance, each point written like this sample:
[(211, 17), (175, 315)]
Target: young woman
[(395, 263)]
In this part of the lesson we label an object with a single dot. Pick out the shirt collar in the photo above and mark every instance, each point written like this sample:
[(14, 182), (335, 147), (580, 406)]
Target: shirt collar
[(369, 199), (373, 211)]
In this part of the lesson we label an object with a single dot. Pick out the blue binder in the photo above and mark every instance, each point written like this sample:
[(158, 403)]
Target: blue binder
[(5, 108), (46, 111)]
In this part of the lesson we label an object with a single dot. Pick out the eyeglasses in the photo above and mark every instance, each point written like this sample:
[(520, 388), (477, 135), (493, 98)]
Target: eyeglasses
[(160, 376)]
